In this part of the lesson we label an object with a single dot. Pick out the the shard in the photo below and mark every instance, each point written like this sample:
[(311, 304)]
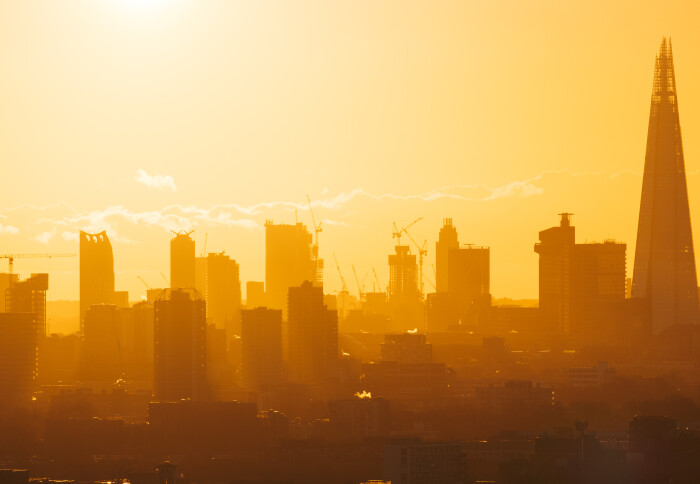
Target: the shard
[(664, 263)]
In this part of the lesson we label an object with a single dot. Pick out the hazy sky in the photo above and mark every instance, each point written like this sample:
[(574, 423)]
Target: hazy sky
[(145, 116)]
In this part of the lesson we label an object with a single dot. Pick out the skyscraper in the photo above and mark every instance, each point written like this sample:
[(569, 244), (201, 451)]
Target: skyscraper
[(18, 357), (182, 260), (224, 293), (96, 271), (664, 262), (312, 335), (261, 340), (289, 261), (579, 283), (180, 345), (29, 296), (469, 276), (446, 240)]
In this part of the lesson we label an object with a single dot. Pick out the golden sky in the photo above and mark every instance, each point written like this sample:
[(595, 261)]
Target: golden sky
[(145, 116)]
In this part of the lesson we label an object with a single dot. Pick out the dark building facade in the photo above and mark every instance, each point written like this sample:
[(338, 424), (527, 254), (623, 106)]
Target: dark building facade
[(96, 271), (180, 345), (182, 260), (664, 263), (261, 340)]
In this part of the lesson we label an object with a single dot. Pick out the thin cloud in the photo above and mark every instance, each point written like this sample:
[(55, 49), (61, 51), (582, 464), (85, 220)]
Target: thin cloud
[(155, 181), (8, 229)]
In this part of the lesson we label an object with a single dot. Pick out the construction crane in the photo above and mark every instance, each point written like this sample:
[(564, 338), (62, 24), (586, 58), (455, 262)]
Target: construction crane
[(317, 228), (166, 279), (360, 287), (11, 258), (314, 250), (342, 279), (144, 282), (376, 278), (397, 233)]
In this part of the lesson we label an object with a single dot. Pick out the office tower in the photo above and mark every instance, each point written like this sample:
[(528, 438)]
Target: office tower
[(29, 296), (120, 299), (407, 348), (468, 275), (223, 293), (447, 240), (96, 271), (180, 345), (579, 283), (18, 357), (312, 335), (288, 262), (261, 339), (556, 247), (255, 294), (104, 348), (142, 337), (664, 262), (182, 265)]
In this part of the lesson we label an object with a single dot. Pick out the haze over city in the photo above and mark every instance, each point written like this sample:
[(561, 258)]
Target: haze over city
[(349, 242)]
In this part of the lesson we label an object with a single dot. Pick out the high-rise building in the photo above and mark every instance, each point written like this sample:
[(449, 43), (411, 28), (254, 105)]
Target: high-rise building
[(6, 280), (261, 340), (104, 348), (579, 283), (447, 240), (29, 296), (405, 300), (200, 275), (289, 261), (664, 263), (468, 275), (223, 293), (312, 335), (180, 345), (18, 357), (182, 266), (96, 271)]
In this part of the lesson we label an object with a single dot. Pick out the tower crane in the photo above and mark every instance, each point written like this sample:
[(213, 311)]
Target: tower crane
[(143, 282), (317, 230), (11, 258), (397, 233), (360, 287), (342, 279), (422, 251), (166, 279), (376, 278)]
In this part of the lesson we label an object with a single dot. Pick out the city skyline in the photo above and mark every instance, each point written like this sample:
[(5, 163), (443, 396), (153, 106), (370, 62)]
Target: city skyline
[(527, 178)]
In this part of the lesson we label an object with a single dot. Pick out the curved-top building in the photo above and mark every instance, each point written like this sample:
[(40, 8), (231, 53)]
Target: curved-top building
[(96, 271)]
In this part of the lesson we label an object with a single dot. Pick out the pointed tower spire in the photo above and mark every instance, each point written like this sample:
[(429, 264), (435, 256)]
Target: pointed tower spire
[(664, 264)]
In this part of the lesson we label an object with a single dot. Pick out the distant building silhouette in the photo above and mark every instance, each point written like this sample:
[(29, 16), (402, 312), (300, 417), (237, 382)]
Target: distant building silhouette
[(469, 282), (180, 345), (103, 344), (261, 339), (406, 348), (447, 240), (664, 263), (578, 283), (18, 357), (29, 296), (223, 293), (182, 266), (405, 300), (312, 335), (288, 262), (96, 271), (255, 294)]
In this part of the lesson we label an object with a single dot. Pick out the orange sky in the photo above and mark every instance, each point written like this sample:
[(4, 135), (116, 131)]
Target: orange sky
[(498, 114)]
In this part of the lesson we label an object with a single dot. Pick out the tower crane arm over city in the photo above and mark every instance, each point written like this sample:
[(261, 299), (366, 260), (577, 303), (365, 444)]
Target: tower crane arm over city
[(11, 258)]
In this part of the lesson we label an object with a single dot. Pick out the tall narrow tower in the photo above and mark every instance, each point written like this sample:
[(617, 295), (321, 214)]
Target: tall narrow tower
[(664, 263)]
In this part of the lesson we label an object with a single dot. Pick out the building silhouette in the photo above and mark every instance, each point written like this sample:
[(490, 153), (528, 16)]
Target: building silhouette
[(104, 344), (405, 300), (664, 263), (180, 345), (96, 271), (579, 283), (469, 282), (182, 265), (18, 357), (289, 261), (255, 294), (223, 293), (447, 240), (261, 340), (312, 335), (29, 296)]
